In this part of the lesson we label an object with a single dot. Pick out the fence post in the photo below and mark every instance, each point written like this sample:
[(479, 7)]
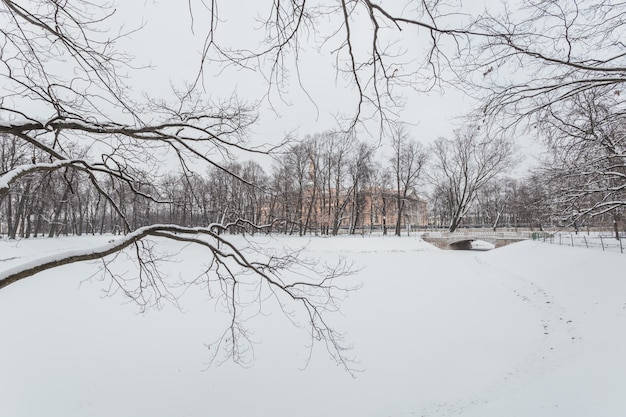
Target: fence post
[(602, 241), (621, 248), (586, 244), (571, 237), (560, 239)]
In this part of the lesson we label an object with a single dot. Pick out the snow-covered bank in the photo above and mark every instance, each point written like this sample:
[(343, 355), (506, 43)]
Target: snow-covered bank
[(527, 330)]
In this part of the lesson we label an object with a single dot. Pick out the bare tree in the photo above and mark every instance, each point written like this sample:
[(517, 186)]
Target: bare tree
[(407, 163), (492, 202), (556, 51), (532, 200), (569, 61), (360, 172), (378, 49), (62, 83), (519, 57), (587, 155), (461, 166), (297, 163), (335, 148)]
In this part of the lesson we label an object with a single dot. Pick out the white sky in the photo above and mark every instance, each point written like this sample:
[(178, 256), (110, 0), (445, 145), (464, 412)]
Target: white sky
[(168, 44), (171, 44)]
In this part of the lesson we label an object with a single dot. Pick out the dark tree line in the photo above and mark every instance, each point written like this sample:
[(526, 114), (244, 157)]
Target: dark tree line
[(331, 183), (324, 184)]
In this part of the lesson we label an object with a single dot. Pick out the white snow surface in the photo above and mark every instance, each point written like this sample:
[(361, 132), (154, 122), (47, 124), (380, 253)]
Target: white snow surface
[(528, 330)]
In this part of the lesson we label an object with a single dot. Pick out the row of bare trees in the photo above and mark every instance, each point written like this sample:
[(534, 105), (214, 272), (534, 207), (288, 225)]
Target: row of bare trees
[(324, 183), (586, 142), (504, 202), (332, 180)]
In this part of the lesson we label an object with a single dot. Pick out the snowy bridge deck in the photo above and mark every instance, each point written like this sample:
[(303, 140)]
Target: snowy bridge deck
[(463, 240)]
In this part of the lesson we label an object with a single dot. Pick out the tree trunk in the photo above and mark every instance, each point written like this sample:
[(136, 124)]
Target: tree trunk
[(20, 214), (311, 205), (384, 213), (57, 213), (10, 232), (400, 212)]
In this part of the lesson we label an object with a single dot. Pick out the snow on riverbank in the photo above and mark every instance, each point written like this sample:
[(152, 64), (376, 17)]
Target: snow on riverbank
[(528, 330)]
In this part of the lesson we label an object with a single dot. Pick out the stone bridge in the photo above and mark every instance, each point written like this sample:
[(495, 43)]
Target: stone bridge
[(463, 240)]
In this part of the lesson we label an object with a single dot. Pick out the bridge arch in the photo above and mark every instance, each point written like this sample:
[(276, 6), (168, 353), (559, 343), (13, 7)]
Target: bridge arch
[(462, 244)]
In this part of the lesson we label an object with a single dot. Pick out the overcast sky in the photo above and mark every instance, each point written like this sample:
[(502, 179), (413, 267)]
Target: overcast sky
[(171, 42), (168, 43)]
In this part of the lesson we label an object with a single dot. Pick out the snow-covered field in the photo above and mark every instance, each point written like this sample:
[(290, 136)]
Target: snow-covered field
[(528, 330)]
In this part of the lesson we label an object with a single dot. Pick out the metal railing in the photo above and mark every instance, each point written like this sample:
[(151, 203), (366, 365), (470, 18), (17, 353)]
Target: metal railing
[(600, 241)]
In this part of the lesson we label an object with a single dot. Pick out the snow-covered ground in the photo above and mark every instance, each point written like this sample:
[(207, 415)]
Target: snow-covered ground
[(528, 330)]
